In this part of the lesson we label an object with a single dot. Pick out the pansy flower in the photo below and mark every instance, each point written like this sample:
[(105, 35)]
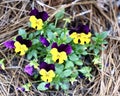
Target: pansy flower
[(29, 69), (9, 44), (59, 53), (21, 48), (39, 15), (37, 18), (20, 39), (44, 41), (47, 72), (21, 45), (80, 34)]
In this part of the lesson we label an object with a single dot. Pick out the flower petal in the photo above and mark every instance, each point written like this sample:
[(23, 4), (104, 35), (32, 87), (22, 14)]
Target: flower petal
[(43, 72), (29, 69), (51, 73), (44, 41), (54, 45), (47, 85), (33, 19), (9, 44), (34, 12), (43, 15)]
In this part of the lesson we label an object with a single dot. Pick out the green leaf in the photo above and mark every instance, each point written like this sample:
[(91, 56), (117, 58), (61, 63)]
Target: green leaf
[(66, 73), (32, 53), (34, 63), (42, 87), (22, 32), (27, 86), (30, 36), (60, 14), (73, 57), (2, 65), (64, 86), (35, 41), (68, 40), (79, 62), (50, 35), (86, 71), (69, 64), (104, 34), (59, 68), (96, 51)]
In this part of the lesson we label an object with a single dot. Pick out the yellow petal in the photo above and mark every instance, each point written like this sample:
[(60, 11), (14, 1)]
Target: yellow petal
[(89, 34), (33, 25), (62, 57), (22, 53), (49, 79), (87, 40), (17, 44), (75, 40), (73, 35), (32, 19), (54, 51), (51, 73), (42, 72), (54, 57), (24, 47), (44, 78)]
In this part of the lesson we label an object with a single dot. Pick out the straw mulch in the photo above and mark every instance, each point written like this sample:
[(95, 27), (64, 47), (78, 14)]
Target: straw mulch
[(102, 15)]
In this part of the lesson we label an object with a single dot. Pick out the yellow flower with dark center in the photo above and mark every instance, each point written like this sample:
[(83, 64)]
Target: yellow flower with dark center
[(60, 56), (81, 38), (36, 23), (47, 76), (22, 48)]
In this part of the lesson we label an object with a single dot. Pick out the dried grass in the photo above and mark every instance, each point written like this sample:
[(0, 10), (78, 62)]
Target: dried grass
[(101, 15)]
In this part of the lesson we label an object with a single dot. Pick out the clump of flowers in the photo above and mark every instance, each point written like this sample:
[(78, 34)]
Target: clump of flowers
[(57, 56)]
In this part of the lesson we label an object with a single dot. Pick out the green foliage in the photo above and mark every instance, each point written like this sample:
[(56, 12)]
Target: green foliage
[(86, 71), (2, 65), (27, 86), (60, 14), (22, 32), (42, 87)]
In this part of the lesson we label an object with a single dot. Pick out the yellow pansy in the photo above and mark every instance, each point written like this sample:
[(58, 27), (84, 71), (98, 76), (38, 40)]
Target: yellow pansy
[(36, 23), (22, 48), (47, 76), (60, 56), (81, 38)]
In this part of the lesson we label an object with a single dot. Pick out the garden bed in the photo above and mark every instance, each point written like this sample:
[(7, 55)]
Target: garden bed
[(101, 16)]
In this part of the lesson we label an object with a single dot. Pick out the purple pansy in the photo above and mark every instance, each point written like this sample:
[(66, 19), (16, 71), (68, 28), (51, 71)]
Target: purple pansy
[(63, 47), (44, 41), (9, 44), (21, 89), (79, 29), (47, 67), (43, 15), (28, 43), (47, 85), (29, 69)]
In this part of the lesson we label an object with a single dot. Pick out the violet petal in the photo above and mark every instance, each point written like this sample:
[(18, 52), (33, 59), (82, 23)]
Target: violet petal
[(21, 89), (34, 12), (44, 41), (28, 43), (29, 69), (47, 67), (47, 85), (54, 45), (9, 44), (43, 15), (68, 49)]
